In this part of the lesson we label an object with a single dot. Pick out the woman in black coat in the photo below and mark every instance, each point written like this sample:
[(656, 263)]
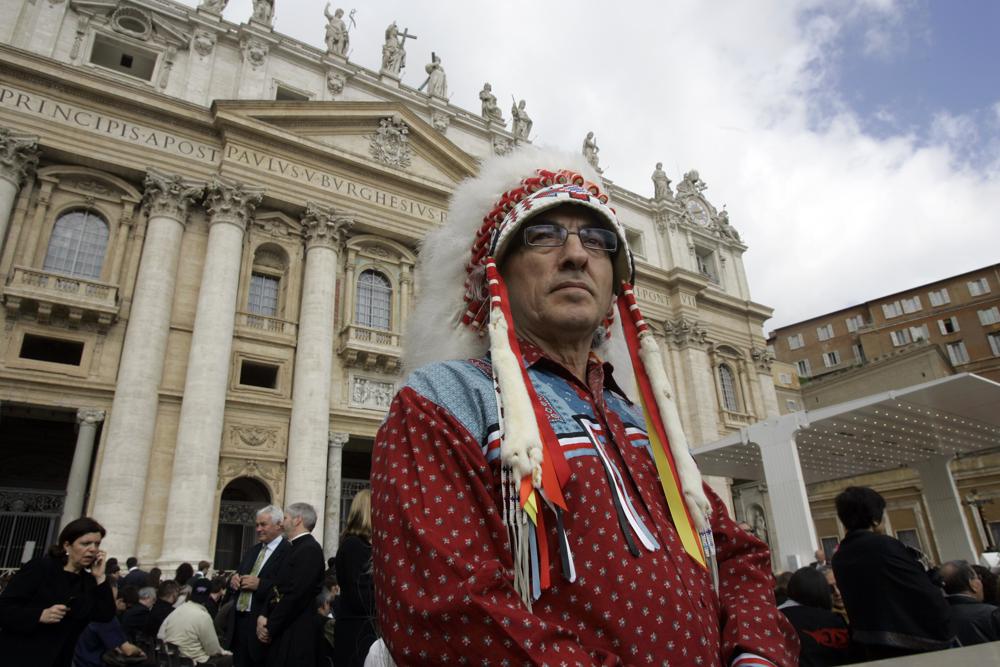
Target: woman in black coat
[(51, 599), (822, 633), (354, 631)]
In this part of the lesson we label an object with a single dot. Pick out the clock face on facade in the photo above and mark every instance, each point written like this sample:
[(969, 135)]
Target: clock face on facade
[(697, 211)]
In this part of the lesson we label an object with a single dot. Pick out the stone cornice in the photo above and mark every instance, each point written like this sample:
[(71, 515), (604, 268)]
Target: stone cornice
[(232, 203), (18, 156), (169, 195), (323, 227)]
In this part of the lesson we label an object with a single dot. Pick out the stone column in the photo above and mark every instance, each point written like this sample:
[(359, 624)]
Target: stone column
[(310, 422), (18, 159), (76, 489), (121, 486), (951, 530), (189, 524), (331, 534)]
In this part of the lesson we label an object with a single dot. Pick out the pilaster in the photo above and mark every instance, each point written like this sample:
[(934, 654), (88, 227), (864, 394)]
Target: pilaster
[(18, 159), (331, 535), (87, 420)]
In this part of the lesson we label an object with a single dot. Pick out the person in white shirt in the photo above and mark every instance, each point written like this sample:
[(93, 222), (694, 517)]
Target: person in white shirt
[(190, 627), (251, 587)]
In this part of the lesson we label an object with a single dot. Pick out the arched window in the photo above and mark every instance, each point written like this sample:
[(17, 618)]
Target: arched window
[(727, 381), (374, 303), (77, 245)]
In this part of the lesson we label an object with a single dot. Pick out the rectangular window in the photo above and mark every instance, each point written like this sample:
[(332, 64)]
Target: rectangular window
[(263, 298), (803, 367), (824, 332), (123, 58), (989, 316), (939, 297), (919, 333), (948, 325), (829, 545), (52, 350), (287, 94), (706, 264), (957, 353), (831, 359), (994, 339), (901, 337), (854, 323), (891, 310), (795, 342), (255, 374), (910, 538), (911, 305), (979, 287), (859, 353), (634, 238), (785, 378)]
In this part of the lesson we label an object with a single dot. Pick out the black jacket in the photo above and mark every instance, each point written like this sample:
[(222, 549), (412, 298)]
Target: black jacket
[(890, 600), (40, 584), (260, 597), (354, 632), (157, 614), (975, 622), (823, 636), (291, 610)]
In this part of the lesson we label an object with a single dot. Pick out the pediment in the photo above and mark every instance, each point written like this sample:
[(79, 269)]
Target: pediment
[(350, 130)]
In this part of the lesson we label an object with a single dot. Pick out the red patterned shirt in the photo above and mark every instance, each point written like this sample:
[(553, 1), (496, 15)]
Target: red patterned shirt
[(442, 560)]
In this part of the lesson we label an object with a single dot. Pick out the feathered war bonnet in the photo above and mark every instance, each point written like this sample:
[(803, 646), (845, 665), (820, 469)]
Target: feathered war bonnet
[(463, 312)]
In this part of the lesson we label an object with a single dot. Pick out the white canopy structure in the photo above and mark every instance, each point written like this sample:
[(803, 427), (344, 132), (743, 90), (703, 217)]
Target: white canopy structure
[(923, 426)]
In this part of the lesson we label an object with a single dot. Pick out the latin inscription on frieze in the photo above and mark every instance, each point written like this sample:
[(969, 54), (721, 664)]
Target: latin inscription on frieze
[(650, 296), (105, 125), (332, 183)]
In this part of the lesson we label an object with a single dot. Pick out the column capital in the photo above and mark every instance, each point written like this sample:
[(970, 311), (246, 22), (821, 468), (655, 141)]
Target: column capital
[(338, 439), (89, 416), (18, 156), (322, 226), (229, 202), (169, 195)]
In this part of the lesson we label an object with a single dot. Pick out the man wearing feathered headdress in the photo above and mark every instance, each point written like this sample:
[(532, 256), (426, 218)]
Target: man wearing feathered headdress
[(526, 510)]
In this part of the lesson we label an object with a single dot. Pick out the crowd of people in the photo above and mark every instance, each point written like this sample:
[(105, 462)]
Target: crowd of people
[(284, 605), (880, 598)]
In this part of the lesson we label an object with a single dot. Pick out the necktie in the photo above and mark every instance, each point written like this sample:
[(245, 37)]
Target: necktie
[(243, 602)]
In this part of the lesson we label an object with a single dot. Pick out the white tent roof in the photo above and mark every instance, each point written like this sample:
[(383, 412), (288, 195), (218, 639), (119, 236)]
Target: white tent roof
[(959, 415)]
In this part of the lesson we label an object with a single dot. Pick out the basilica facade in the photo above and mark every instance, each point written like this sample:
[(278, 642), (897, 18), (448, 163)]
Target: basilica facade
[(208, 234)]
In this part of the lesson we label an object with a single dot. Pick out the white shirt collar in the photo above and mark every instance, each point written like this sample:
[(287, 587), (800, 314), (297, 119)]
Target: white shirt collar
[(273, 544)]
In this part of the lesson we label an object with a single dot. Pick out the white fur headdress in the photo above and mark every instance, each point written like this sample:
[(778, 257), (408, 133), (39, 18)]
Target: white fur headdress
[(462, 312)]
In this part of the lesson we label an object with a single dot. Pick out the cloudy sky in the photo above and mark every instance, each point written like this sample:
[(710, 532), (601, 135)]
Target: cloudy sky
[(856, 144)]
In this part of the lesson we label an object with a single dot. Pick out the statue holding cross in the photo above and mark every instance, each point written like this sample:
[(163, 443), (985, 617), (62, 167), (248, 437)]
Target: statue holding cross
[(393, 50)]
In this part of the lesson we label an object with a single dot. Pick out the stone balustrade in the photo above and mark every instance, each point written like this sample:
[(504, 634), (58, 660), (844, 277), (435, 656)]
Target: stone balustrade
[(257, 325), (76, 298), (370, 348)]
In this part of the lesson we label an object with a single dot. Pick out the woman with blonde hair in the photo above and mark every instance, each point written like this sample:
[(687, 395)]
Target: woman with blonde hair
[(354, 631)]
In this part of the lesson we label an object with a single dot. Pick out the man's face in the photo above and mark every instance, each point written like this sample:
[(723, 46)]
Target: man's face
[(266, 528), (563, 293)]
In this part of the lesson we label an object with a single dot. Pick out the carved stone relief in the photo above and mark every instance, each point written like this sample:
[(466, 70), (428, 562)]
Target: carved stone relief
[(390, 144), (203, 42), (272, 473), (254, 51), (683, 332), (335, 82), (502, 145), (440, 120), (371, 393), (265, 440)]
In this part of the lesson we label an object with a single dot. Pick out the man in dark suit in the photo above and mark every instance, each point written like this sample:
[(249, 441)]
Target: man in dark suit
[(135, 577), (287, 625), (251, 587)]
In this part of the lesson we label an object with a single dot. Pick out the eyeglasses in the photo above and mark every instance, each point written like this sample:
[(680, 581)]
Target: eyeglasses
[(549, 235)]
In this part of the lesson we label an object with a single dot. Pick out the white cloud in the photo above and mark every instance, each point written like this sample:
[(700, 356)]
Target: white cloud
[(833, 216)]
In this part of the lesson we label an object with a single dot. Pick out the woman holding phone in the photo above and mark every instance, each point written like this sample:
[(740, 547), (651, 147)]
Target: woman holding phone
[(52, 598)]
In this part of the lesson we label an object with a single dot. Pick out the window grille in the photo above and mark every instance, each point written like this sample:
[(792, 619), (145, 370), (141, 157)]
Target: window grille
[(728, 383), (77, 245), (374, 302), (263, 299)]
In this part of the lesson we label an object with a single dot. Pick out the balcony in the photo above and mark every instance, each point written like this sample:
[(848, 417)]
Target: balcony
[(736, 419), (372, 349), (76, 299), (252, 325)]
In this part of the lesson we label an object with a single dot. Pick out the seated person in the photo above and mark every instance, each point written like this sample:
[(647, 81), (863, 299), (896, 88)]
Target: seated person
[(166, 597), (975, 621), (133, 619), (190, 626), (822, 633)]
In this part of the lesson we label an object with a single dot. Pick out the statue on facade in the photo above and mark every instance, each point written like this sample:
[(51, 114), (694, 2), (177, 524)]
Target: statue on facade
[(213, 5), (437, 80), (521, 121), (661, 184), (263, 11), (726, 230), (338, 37), (394, 49), (692, 183), (590, 151), (491, 110)]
